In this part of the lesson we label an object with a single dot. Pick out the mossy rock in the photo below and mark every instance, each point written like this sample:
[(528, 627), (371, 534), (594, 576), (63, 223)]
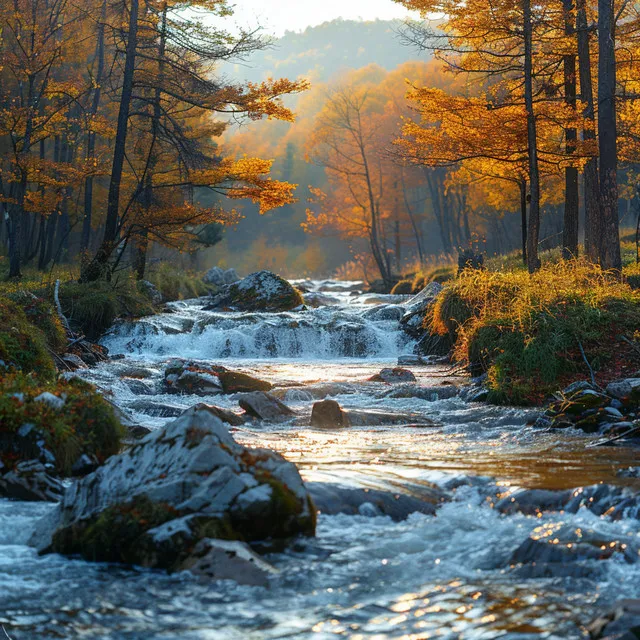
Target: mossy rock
[(260, 291), (23, 345), (69, 417)]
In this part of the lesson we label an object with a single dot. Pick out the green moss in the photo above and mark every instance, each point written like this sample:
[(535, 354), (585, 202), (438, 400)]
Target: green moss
[(23, 345), (85, 424), (93, 307), (115, 534), (177, 284), (450, 311)]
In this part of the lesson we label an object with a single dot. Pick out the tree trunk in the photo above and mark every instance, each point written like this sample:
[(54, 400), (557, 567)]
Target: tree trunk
[(571, 194), (533, 261), (523, 218), (590, 172), (91, 136), (610, 257), (98, 266)]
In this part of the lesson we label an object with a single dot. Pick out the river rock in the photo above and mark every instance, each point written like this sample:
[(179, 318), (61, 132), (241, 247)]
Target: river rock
[(264, 406), (328, 414), (393, 376), (30, 481), (228, 560), (332, 499), (620, 622), (549, 545), (220, 277), (156, 409), (139, 387), (382, 418), (201, 379), (387, 312), (623, 389), (416, 307), (316, 299), (260, 291), (189, 481), (429, 393), (228, 417), (151, 291), (73, 362)]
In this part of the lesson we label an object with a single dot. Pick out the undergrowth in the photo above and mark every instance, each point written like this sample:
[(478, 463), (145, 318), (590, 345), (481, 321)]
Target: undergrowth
[(529, 332)]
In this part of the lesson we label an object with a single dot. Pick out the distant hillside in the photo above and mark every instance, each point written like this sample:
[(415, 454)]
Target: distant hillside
[(318, 53)]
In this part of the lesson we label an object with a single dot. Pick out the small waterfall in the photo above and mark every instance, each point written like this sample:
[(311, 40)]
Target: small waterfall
[(325, 333)]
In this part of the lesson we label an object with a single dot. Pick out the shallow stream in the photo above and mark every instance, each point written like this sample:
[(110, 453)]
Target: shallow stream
[(443, 576)]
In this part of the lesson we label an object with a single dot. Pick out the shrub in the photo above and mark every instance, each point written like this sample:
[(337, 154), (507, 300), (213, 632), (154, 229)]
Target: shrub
[(84, 424)]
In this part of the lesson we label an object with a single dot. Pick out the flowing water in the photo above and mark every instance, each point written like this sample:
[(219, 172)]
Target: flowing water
[(443, 576)]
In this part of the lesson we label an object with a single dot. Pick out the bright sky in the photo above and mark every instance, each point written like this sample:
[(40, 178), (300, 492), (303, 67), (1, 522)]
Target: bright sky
[(278, 16)]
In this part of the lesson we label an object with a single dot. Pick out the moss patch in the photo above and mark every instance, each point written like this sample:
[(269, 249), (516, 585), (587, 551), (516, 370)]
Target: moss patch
[(177, 284), (23, 345), (85, 423), (93, 307)]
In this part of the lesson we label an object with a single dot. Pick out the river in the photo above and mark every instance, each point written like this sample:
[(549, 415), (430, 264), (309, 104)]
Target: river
[(444, 576)]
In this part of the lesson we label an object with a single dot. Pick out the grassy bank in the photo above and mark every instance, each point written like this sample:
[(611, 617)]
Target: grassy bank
[(42, 416), (533, 334)]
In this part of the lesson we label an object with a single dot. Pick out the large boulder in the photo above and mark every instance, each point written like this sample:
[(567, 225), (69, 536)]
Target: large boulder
[(260, 291), (200, 379), (190, 481)]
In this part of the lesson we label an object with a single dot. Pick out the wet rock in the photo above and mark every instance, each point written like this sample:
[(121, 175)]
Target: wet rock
[(318, 391), (412, 361), (332, 499), (385, 312), (328, 414), (316, 299), (264, 406), (432, 394), (394, 376), (558, 545), (260, 291), (620, 622), (30, 481), (151, 291), (84, 465), (228, 417), (189, 481), (416, 308), (382, 418), (533, 501), (138, 432), (228, 560), (73, 361), (157, 409), (220, 277), (139, 388), (580, 385), (204, 380), (622, 389)]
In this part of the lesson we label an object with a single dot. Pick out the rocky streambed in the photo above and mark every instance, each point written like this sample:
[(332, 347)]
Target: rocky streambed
[(438, 515)]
